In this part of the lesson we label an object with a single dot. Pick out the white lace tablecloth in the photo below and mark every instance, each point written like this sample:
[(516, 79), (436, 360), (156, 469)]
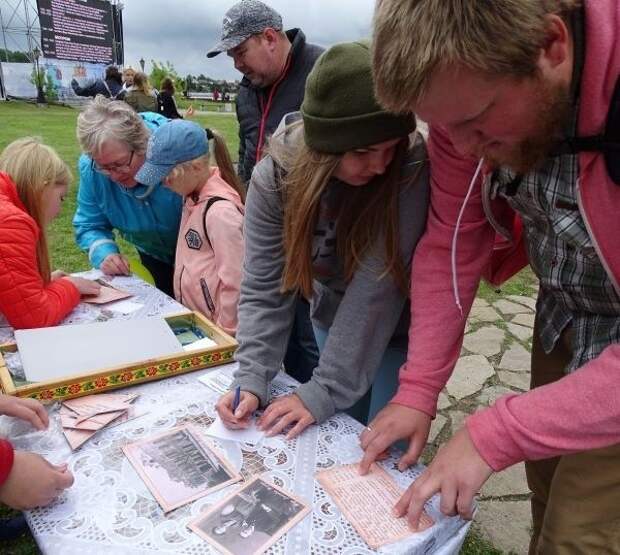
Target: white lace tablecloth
[(109, 510)]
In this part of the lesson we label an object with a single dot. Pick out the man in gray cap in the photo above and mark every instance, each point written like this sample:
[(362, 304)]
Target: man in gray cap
[(275, 65)]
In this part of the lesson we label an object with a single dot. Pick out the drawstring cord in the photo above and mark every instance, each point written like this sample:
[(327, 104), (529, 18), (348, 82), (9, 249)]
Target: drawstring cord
[(455, 285)]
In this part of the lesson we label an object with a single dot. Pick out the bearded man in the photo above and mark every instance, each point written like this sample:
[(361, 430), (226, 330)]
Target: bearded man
[(517, 96)]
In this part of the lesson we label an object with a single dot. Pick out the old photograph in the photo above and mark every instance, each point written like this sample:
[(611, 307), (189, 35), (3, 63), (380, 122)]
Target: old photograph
[(180, 466), (251, 519)]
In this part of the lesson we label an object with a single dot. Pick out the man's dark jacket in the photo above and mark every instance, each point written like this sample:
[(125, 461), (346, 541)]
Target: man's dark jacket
[(287, 98), (99, 87)]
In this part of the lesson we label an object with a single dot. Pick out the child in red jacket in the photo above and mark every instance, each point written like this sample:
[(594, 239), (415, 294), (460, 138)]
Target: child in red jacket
[(33, 184)]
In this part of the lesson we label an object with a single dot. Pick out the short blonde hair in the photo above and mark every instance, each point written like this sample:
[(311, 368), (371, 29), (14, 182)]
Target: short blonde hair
[(34, 167), (104, 119), (414, 38)]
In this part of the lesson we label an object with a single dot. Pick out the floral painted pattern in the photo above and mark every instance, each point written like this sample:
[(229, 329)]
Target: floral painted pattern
[(129, 377)]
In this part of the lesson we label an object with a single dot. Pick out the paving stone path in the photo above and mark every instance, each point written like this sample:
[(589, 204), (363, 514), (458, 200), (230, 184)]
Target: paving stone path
[(495, 360)]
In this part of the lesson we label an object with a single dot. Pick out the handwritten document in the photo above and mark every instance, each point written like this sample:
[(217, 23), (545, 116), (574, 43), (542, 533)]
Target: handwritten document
[(367, 502)]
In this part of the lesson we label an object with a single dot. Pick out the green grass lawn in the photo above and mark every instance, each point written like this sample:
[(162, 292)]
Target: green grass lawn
[(56, 126)]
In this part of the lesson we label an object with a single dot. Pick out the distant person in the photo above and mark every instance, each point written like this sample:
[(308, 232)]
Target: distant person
[(209, 255), (113, 138), (110, 87), (33, 184), (167, 103), (141, 96), (128, 74), (275, 65), (216, 95)]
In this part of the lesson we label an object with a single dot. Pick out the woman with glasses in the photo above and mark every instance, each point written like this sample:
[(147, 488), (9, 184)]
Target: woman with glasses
[(114, 138)]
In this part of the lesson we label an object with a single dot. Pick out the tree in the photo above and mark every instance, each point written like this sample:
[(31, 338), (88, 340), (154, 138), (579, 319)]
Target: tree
[(13, 56), (165, 69), (47, 83)]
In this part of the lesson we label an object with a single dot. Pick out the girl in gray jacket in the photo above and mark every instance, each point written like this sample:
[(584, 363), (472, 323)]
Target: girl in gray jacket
[(334, 213)]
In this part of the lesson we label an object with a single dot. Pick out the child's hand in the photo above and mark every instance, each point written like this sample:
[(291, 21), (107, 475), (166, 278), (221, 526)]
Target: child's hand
[(248, 403), (85, 286), (190, 111), (57, 274), (283, 412), (27, 409), (33, 482)]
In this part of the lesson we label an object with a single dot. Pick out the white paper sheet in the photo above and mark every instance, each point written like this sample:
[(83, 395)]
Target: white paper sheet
[(50, 353), (203, 343), (219, 382), (251, 435), (124, 307)]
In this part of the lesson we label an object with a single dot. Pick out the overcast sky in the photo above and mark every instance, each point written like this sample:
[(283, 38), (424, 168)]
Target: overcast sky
[(184, 30)]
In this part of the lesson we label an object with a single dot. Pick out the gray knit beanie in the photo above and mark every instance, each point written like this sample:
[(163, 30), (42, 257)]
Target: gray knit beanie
[(339, 110)]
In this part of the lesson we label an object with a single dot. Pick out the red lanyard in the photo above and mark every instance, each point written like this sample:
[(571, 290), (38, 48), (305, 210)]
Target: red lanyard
[(265, 109)]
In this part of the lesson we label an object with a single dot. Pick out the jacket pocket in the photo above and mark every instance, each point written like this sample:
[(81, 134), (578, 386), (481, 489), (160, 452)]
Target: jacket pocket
[(207, 296)]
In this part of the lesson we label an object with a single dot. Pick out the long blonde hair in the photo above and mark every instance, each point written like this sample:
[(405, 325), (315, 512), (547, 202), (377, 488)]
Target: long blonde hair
[(222, 160), (141, 83), (369, 212), (34, 167)]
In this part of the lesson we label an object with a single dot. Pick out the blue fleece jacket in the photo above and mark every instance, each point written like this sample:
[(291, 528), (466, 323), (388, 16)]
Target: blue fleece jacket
[(150, 224)]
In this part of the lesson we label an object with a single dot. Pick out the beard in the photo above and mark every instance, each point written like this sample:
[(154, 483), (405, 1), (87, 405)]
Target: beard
[(554, 109)]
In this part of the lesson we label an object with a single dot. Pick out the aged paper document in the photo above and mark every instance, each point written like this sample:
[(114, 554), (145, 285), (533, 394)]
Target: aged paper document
[(367, 503)]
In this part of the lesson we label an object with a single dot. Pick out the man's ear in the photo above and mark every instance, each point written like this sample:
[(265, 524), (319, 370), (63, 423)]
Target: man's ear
[(271, 37), (557, 51)]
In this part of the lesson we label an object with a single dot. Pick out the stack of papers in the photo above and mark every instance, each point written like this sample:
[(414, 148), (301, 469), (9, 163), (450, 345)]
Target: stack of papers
[(83, 417)]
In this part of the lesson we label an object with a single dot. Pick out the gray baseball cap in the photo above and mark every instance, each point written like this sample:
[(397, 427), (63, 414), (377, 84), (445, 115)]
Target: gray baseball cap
[(244, 19)]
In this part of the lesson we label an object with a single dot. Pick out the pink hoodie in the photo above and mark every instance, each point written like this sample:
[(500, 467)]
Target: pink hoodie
[(580, 411), (207, 272)]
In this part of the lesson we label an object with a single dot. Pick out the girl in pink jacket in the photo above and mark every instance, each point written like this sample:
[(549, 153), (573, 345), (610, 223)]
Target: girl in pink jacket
[(209, 255)]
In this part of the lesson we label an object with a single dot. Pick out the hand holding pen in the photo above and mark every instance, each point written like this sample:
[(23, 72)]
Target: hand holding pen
[(236, 408)]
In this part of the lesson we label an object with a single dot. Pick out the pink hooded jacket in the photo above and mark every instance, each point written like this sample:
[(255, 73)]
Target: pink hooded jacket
[(581, 411), (209, 257)]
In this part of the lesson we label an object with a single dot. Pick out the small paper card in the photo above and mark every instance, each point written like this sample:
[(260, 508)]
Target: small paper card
[(367, 502), (179, 466), (107, 294), (91, 405), (218, 381), (76, 437), (204, 343), (251, 519), (251, 435)]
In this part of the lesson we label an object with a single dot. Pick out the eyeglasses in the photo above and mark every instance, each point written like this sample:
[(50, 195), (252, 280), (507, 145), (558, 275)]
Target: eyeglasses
[(112, 168)]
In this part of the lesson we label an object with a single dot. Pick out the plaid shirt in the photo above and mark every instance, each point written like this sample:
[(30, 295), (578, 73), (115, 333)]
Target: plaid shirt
[(575, 289)]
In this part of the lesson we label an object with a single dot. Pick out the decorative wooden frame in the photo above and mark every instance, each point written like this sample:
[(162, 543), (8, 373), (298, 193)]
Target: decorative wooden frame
[(122, 376)]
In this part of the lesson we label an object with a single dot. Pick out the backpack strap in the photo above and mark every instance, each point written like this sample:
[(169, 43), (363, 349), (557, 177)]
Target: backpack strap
[(107, 88), (607, 143), (210, 203)]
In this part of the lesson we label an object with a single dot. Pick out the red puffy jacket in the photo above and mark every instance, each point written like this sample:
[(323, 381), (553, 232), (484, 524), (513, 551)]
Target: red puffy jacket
[(6, 460), (25, 300)]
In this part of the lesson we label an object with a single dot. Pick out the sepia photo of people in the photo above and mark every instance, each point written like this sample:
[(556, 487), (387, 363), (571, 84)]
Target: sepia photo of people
[(251, 519), (179, 466)]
